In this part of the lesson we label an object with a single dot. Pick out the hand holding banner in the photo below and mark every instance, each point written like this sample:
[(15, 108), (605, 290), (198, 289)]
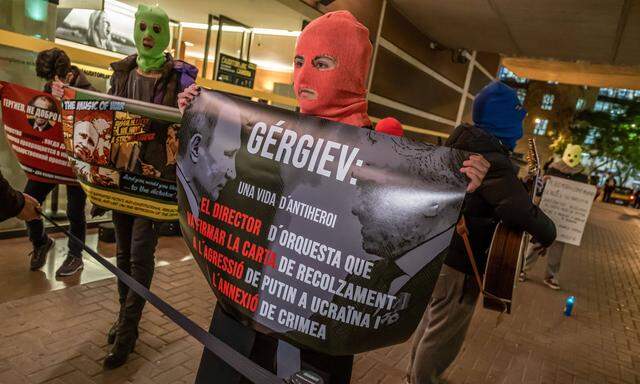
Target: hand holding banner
[(328, 236)]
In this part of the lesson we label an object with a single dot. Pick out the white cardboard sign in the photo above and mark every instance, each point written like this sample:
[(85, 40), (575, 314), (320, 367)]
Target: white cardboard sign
[(568, 203)]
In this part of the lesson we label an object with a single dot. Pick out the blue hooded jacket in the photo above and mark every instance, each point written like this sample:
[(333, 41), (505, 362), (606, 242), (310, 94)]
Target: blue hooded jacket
[(497, 110)]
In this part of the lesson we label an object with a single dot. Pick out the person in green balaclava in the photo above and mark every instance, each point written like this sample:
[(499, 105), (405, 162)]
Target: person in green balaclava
[(151, 35), (153, 76)]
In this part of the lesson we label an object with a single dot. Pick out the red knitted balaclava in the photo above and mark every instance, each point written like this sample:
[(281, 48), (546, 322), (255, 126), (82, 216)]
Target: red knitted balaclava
[(337, 94)]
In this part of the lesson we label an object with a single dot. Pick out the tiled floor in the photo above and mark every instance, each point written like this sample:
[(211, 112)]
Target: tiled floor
[(59, 336), (17, 281)]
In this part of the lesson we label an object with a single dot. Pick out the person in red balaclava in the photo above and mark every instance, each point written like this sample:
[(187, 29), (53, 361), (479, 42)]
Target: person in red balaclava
[(331, 66)]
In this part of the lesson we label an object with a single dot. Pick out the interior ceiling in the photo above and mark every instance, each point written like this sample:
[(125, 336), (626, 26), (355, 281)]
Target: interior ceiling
[(596, 31), (254, 13)]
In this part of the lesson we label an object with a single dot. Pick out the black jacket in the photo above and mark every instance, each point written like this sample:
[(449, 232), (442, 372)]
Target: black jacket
[(176, 76), (502, 196), (12, 200)]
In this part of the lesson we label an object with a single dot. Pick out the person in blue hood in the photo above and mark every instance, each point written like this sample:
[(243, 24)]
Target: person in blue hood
[(498, 111), (497, 117)]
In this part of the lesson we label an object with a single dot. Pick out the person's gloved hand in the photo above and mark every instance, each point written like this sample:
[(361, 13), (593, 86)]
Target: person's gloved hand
[(185, 97), (476, 168)]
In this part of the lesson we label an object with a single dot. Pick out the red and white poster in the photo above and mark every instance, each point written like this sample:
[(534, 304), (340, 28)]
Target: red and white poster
[(32, 124)]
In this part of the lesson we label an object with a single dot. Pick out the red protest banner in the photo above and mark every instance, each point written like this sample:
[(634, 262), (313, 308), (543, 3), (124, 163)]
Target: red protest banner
[(32, 125)]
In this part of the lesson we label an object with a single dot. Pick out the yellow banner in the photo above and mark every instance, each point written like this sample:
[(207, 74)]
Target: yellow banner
[(154, 210)]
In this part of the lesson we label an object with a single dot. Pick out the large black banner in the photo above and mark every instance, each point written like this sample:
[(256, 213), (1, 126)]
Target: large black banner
[(328, 236)]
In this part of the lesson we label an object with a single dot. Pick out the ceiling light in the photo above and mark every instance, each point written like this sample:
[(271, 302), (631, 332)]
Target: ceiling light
[(214, 27), (275, 32), (119, 7), (262, 64), (232, 28), (273, 66)]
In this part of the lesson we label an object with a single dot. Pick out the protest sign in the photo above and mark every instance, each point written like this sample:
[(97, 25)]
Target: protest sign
[(123, 152), (568, 204), (32, 126), (328, 236)]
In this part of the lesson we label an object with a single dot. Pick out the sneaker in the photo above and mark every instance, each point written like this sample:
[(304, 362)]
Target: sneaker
[(552, 283), (70, 266), (523, 277), (39, 254)]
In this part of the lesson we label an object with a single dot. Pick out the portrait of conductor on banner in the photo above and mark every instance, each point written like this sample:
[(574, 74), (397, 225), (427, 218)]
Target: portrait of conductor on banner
[(43, 108), (399, 214), (212, 139)]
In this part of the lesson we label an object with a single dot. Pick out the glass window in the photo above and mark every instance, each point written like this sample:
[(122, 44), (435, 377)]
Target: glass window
[(547, 102), (580, 103), (617, 109), (609, 92), (602, 106), (541, 127), (505, 74), (522, 94), (591, 137), (625, 94)]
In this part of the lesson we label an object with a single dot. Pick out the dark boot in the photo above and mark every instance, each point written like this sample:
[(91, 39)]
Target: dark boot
[(120, 351), (113, 332)]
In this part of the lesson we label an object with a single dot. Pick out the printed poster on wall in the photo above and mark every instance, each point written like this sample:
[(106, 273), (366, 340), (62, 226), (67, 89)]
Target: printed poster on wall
[(33, 127), (110, 29), (328, 236), (123, 152), (568, 204)]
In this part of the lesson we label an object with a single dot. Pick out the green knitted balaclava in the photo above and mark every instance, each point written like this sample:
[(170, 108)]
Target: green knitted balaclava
[(151, 35)]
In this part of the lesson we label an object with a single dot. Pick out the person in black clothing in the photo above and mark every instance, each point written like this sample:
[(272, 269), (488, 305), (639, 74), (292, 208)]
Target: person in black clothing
[(609, 187), (636, 199), (54, 66), (16, 204), (497, 115), (152, 76)]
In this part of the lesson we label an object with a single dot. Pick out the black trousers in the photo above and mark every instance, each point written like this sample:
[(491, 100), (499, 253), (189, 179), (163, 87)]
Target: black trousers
[(262, 349), (76, 202), (607, 194), (136, 241)]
